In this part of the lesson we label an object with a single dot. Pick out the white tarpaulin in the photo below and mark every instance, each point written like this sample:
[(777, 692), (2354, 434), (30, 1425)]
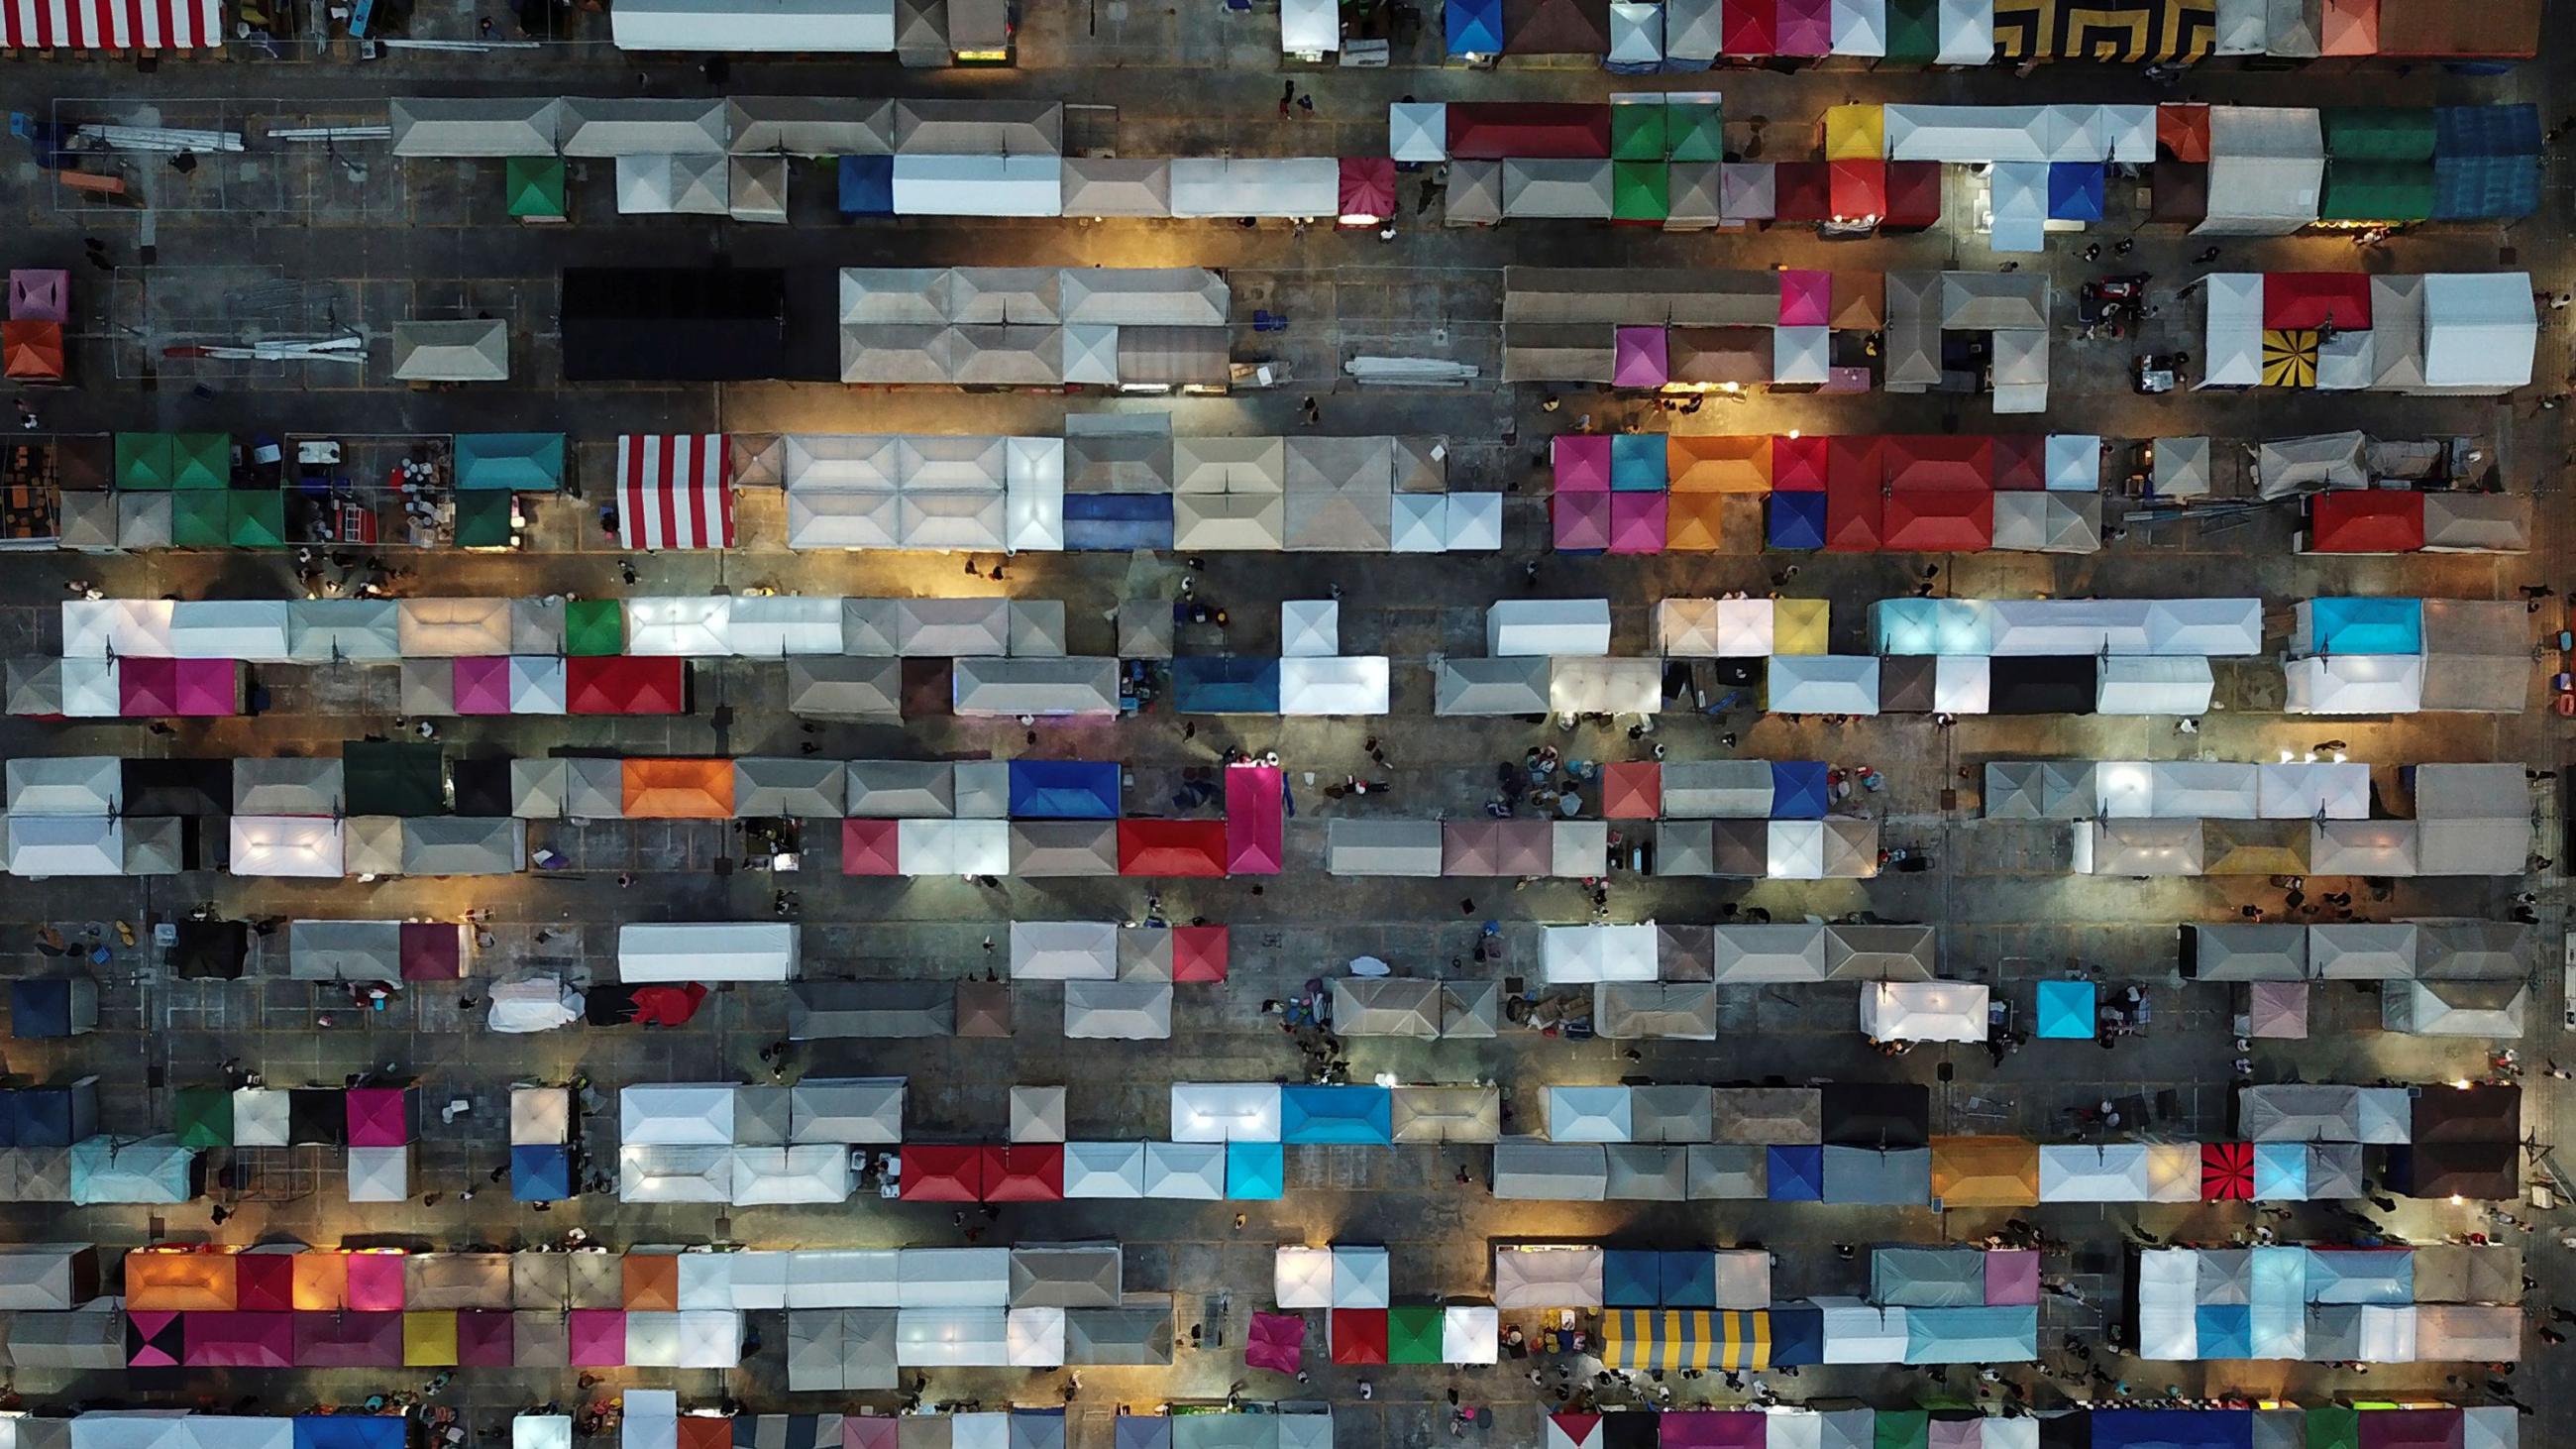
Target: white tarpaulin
[(1276, 186), (2267, 170), (284, 845), (1548, 626), (936, 185), (2481, 331), (1226, 1111), (1582, 955)]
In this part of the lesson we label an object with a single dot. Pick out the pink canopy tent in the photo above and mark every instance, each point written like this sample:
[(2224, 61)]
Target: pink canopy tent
[(1637, 522), (483, 1338), (1368, 189), (868, 847), (375, 1280), (206, 688), (1582, 520), (1252, 820), (1641, 359), (432, 951), (1277, 1342), (379, 1117), (1806, 27), (1806, 298), (1711, 1429), (2277, 1010), (240, 1340), (483, 685), (1582, 462), (1200, 953), (153, 1340), (2012, 1278), (1955, 1434), (348, 1340), (40, 294), (869, 1431), (598, 1337)]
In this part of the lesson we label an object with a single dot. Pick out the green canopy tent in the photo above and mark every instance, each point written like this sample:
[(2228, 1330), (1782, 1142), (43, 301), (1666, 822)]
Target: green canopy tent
[(1640, 191), (483, 519), (202, 1116), (392, 777), (1904, 1429), (534, 186), (1694, 131), (2334, 1426), (2378, 133), (594, 628), (511, 462), (200, 519), (143, 460), (1637, 131), (256, 520), (1413, 1333), (201, 460), (1913, 31), (2377, 191)]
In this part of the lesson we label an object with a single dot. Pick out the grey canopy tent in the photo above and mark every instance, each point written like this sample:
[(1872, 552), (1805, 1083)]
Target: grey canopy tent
[(1138, 1331), (1066, 1275), (820, 1010)]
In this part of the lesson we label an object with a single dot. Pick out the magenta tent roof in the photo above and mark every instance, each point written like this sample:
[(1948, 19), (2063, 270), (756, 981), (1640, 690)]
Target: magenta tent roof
[(1641, 359), (598, 1337), (40, 294), (1806, 298), (144, 1331), (483, 685), (869, 847), (869, 1431), (2012, 1278), (147, 687), (1955, 1434), (432, 951), (375, 1279), (378, 1117), (1583, 463), (240, 1340), (348, 1340), (1277, 1342), (1711, 1429), (205, 687), (1806, 27), (1582, 520), (1252, 820), (483, 1338), (1637, 522)]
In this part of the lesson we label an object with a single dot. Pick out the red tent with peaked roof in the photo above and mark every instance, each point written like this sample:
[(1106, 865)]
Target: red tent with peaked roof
[(869, 847), (1359, 1335), (2021, 463), (1751, 27), (626, 684), (1528, 130), (1632, 790), (1199, 953), (1800, 190), (1938, 520), (1913, 194), (2366, 520), (1939, 460), (937, 1172), (1171, 847), (2226, 1171), (1851, 517), (1857, 189), (1368, 189), (1798, 464), (1025, 1172), (2306, 301)]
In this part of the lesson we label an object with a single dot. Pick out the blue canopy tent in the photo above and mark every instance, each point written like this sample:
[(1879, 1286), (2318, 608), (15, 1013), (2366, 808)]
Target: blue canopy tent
[(1337, 1116), (2172, 1429), (541, 1173), (867, 186), (1797, 1173), (1797, 520), (2066, 1010), (2075, 190), (1797, 1334), (42, 1007), (2226, 1330), (2366, 626), (1117, 522), (55, 1116), (1475, 27), (1686, 1280), (1210, 684), (126, 1170), (1637, 462), (349, 1431), (1255, 1171), (1631, 1277), (510, 462), (1064, 790), (1971, 1335), (1799, 790), (2281, 1171)]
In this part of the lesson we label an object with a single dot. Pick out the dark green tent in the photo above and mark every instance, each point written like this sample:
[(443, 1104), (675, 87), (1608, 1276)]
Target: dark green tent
[(200, 519), (393, 777), (483, 519), (143, 460), (256, 519), (1637, 131), (1413, 1333), (2378, 133), (534, 186), (202, 1116), (1694, 131), (2333, 1426), (1640, 190), (201, 460), (1913, 31), (594, 627), (2377, 191)]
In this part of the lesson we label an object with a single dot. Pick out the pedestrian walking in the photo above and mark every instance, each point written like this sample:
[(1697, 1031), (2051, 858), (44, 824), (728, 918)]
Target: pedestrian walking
[(1287, 98)]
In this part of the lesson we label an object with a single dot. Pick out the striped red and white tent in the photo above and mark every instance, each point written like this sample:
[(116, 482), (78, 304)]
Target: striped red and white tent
[(112, 24), (672, 491)]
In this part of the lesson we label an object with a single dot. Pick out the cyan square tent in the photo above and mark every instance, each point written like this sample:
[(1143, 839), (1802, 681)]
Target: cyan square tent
[(1631, 1278), (2281, 1171), (349, 1431), (1799, 790), (1796, 1173), (1064, 790), (1797, 520), (1971, 1335), (1475, 27), (1210, 684), (510, 462), (867, 186), (2359, 626), (2075, 190), (1255, 1171), (1637, 462), (1686, 1279), (2066, 1010), (2226, 1330), (541, 1172), (1337, 1116)]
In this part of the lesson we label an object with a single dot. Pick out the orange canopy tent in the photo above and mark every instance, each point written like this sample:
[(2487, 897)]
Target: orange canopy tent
[(679, 789)]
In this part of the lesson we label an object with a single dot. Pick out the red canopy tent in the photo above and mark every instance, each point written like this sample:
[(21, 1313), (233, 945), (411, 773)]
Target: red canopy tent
[(484, 1338), (1798, 464), (1855, 460), (432, 951), (667, 1005), (1939, 520), (2182, 131), (1358, 1335), (1851, 518), (1025, 1172), (1936, 460), (1171, 847), (2226, 1171), (2306, 301), (625, 684), (1751, 28), (2021, 463), (869, 847), (934, 1172), (33, 350), (1858, 189), (1368, 189), (1199, 953), (1527, 130), (264, 1282), (2366, 520), (1800, 190), (1913, 194), (1632, 790)]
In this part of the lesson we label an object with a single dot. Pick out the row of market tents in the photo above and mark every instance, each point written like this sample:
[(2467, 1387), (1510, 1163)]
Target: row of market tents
[(1762, 463), (1947, 1172), (2269, 171), (2196, 847), (580, 1337), (2409, 520), (1636, 36), (1044, 326), (1829, 849), (2432, 950), (2299, 1303), (1174, 1171), (604, 127), (2449, 333), (2187, 468), (2275, 1426)]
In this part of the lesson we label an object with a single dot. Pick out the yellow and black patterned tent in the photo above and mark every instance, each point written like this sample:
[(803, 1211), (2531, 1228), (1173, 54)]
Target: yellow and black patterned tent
[(2123, 32), (2289, 358)]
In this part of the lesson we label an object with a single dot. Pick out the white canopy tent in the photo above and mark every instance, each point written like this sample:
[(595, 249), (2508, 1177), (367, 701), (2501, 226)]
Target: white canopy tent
[(1924, 1011), (707, 951), (1548, 626)]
